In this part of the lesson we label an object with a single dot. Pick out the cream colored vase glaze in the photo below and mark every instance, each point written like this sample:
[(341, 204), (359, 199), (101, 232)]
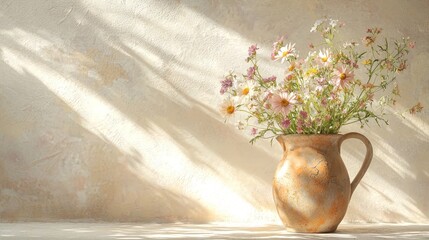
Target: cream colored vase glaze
[(311, 186)]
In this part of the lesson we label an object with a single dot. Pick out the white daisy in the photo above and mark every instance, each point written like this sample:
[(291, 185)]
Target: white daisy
[(286, 52), (246, 89), (228, 108), (325, 57)]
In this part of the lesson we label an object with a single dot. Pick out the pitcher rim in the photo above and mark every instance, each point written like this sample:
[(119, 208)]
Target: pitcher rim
[(312, 134), (285, 136)]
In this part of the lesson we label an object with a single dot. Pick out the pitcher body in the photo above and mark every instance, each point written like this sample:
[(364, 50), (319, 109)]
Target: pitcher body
[(311, 186)]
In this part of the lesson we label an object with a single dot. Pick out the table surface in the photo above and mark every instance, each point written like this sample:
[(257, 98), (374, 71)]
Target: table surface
[(82, 230)]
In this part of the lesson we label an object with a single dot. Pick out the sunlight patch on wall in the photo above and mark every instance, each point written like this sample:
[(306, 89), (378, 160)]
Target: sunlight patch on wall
[(11, 59), (162, 161), (385, 152), (418, 125)]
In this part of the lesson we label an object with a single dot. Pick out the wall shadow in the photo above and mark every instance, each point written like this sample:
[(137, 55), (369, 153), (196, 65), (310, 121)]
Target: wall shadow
[(105, 64), (400, 166), (194, 120), (79, 175)]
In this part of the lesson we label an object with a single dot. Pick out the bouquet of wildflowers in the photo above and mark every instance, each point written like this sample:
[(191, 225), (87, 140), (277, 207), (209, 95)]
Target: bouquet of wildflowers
[(334, 85)]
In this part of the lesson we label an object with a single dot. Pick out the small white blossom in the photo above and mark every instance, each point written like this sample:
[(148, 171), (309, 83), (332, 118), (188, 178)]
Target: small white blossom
[(286, 52)]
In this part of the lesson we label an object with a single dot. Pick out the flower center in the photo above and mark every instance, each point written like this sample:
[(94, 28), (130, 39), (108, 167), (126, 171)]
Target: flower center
[(284, 103), (312, 71), (291, 67), (230, 109), (343, 76), (285, 53), (245, 91), (324, 59)]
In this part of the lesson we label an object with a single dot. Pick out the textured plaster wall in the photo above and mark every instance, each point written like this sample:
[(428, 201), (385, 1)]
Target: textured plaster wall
[(108, 110)]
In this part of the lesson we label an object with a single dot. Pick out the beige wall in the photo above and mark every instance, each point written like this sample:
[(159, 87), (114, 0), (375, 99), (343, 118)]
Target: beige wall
[(108, 110)]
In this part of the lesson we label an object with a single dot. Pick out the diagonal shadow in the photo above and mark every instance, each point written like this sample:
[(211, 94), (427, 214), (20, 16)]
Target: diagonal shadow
[(147, 103), (79, 175)]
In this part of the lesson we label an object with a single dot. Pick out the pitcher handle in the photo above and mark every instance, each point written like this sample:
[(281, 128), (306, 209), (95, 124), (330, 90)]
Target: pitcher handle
[(366, 161)]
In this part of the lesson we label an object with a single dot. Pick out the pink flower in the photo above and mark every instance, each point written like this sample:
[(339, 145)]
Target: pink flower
[(252, 50), (342, 77), (300, 123), (285, 123), (251, 72), (303, 114), (402, 66), (412, 44), (368, 40), (283, 102), (299, 126), (289, 76), (270, 79), (253, 131), (225, 84), (276, 47)]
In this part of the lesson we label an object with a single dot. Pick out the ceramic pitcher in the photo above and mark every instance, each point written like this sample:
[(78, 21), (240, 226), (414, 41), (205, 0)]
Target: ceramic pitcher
[(311, 186)]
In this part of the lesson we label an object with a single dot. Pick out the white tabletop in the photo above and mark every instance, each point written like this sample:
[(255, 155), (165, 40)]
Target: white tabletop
[(82, 230)]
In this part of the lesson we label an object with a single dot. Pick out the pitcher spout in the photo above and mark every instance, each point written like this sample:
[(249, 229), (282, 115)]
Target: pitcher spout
[(282, 142)]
